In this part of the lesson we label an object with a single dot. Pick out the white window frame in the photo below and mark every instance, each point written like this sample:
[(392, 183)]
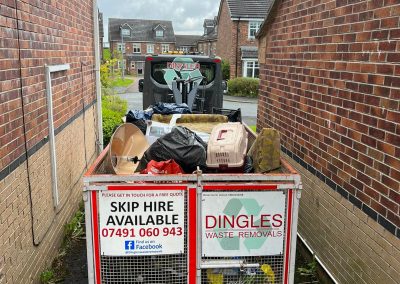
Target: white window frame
[(164, 48), (254, 67), (121, 47), (254, 25), (125, 32), (150, 48), (159, 33), (119, 64), (184, 49), (136, 48), (133, 64)]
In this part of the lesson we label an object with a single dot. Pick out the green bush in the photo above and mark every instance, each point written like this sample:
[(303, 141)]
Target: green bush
[(47, 277), (115, 103), (113, 109), (243, 87), (226, 69)]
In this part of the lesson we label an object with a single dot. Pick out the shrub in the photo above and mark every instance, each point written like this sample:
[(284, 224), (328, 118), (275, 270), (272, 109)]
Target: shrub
[(47, 277), (243, 87), (113, 109), (115, 103), (226, 69)]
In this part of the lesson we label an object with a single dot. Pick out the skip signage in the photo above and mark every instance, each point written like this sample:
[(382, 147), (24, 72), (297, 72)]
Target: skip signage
[(141, 223), (242, 223)]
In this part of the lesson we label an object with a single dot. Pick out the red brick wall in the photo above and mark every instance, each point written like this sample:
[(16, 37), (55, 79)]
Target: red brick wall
[(330, 84), (243, 41), (228, 44), (33, 34), (209, 48), (42, 41), (225, 34), (143, 47)]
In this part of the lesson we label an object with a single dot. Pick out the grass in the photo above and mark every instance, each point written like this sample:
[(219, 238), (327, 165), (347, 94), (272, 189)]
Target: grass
[(253, 127), (73, 230), (47, 276), (118, 82)]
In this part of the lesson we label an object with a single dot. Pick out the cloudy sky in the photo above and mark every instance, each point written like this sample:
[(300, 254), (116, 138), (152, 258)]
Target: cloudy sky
[(187, 16)]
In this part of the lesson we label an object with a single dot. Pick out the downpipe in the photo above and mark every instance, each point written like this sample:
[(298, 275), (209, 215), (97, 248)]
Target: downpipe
[(99, 142)]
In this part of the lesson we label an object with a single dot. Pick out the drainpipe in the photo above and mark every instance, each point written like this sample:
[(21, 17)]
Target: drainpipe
[(237, 46), (99, 142)]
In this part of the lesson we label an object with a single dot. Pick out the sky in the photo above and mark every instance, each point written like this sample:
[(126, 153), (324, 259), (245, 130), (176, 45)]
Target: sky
[(187, 16)]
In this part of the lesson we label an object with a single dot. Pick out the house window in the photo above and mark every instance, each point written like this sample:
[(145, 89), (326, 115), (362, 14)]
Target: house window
[(120, 66), (133, 64), (150, 48), (136, 48), (251, 68), (165, 48), (253, 28), (159, 33), (121, 47), (184, 48), (126, 32)]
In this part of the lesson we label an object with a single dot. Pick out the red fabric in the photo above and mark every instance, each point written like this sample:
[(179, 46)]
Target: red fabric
[(162, 168)]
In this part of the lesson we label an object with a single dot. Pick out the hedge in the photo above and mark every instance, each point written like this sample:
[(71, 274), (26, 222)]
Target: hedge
[(226, 69), (243, 87), (113, 109)]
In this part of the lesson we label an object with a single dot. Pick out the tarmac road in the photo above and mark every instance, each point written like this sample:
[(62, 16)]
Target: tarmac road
[(248, 106)]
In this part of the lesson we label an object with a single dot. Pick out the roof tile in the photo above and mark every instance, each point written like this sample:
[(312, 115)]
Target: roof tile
[(142, 30), (249, 8)]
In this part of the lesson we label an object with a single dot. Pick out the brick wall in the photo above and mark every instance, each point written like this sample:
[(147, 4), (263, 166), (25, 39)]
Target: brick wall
[(232, 35), (209, 48), (243, 41), (355, 248), (225, 35), (143, 47), (330, 84), (46, 33)]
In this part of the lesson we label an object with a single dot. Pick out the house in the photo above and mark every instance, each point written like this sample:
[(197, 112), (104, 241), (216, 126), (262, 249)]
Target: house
[(135, 38), (186, 43), (330, 83), (35, 205), (207, 44), (238, 22)]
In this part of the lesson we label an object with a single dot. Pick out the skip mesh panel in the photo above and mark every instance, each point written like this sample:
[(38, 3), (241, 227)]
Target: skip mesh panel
[(144, 269), (248, 275), (157, 269)]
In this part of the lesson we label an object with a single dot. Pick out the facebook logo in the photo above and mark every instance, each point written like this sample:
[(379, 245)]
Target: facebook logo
[(129, 245)]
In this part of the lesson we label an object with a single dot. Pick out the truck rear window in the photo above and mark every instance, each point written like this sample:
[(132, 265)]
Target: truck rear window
[(207, 69)]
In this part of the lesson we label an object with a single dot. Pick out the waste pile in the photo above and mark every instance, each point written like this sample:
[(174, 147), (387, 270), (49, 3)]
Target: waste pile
[(168, 139)]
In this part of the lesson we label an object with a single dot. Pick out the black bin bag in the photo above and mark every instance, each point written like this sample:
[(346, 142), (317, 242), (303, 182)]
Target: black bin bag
[(137, 117), (181, 145)]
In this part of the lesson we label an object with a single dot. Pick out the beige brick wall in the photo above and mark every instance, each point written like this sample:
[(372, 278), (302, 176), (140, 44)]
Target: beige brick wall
[(20, 260), (355, 248)]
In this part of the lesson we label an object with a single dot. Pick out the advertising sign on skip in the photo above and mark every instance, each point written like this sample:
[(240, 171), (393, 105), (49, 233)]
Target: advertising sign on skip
[(243, 223), (141, 223)]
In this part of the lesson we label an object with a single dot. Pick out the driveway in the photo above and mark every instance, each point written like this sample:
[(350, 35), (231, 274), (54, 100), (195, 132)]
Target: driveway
[(248, 106)]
